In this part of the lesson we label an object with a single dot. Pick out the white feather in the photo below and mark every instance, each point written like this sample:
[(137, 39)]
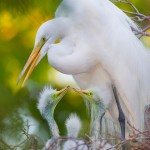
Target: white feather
[(44, 98), (123, 60), (73, 125)]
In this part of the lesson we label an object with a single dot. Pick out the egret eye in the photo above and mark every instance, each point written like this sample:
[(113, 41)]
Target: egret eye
[(57, 41)]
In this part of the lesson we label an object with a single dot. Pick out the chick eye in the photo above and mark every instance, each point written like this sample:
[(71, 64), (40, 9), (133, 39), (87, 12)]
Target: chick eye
[(43, 38), (90, 93), (54, 96)]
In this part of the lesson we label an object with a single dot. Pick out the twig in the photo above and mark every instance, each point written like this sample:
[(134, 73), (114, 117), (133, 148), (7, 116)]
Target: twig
[(129, 3), (138, 17), (146, 28)]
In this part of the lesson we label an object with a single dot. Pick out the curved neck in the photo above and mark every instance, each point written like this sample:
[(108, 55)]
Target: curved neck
[(59, 27), (51, 122), (53, 128)]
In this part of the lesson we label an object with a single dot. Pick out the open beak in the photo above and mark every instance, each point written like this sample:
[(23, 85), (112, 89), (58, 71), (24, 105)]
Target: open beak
[(81, 92), (85, 94), (32, 61), (62, 92)]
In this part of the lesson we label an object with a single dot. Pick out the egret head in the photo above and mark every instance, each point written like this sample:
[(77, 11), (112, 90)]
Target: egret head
[(48, 100), (46, 35)]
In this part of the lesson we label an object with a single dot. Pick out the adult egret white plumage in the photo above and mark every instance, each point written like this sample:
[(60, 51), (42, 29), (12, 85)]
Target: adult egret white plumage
[(98, 47), (48, 100)]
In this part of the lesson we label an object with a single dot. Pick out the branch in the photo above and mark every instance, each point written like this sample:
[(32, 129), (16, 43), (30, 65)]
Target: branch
[(141, 32), (129, 3), (138, 17)]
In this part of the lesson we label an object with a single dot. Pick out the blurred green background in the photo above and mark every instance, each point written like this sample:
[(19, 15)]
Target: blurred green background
[(19, 21)]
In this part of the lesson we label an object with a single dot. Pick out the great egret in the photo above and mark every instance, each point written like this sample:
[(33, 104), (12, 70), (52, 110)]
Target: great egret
[(98, 110), (73, 125), (48, 100), (98, 47)]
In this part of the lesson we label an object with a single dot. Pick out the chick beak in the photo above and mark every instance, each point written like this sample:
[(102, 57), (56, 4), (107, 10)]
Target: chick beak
[(32, 61), (62, 92), (81, 92)]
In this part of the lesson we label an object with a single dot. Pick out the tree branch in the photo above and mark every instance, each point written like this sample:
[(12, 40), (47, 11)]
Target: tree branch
[(138, 17)]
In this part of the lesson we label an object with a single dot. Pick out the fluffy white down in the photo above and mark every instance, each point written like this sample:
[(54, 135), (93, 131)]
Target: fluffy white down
[(73, 125), (44, 98)]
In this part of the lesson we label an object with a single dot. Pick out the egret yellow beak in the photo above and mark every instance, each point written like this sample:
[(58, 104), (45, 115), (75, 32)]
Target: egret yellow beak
[(32, 61)]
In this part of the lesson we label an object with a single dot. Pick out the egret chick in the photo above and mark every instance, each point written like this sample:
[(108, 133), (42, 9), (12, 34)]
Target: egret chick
[(98, 110), (48, 100), (73, 125)]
